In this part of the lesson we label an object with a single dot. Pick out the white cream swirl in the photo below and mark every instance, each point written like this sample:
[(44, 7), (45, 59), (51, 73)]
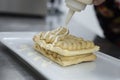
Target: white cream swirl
[(55, 35)]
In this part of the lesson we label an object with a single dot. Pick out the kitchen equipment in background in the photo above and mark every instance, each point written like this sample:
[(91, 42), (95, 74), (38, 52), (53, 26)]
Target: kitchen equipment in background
[(54, 7), (27, 7)]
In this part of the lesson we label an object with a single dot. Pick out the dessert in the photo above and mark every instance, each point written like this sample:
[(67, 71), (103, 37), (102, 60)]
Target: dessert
[(64, 48)]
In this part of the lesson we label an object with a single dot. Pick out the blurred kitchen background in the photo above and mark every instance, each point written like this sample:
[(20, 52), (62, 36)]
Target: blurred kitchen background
[(32, 15), (44, 15)]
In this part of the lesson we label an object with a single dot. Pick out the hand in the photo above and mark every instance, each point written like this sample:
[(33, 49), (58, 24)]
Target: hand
[(98, 2)]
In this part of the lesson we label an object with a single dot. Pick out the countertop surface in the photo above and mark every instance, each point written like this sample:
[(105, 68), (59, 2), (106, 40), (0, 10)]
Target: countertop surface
[(10, 67), (13, 69), (103, 68)]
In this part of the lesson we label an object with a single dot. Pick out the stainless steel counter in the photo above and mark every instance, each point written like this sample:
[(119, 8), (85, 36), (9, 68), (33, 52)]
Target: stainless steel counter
[(28, 7), (13, 69), (10, 67)]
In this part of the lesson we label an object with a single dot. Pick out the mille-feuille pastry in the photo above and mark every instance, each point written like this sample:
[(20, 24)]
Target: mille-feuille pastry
[(64, 48)]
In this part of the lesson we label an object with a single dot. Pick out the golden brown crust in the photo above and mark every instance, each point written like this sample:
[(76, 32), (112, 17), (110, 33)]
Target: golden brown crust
[(60, 37), (66, 52), (64, 60), (63, 48)]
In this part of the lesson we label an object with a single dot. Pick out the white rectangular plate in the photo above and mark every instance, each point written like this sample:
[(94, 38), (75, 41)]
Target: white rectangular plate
[(104, 68)]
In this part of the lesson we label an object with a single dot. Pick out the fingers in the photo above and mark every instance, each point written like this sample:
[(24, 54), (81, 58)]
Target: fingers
[(98, 2)]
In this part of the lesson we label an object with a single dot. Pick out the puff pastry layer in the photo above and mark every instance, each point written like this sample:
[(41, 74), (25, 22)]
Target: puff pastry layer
[(63, 48)]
